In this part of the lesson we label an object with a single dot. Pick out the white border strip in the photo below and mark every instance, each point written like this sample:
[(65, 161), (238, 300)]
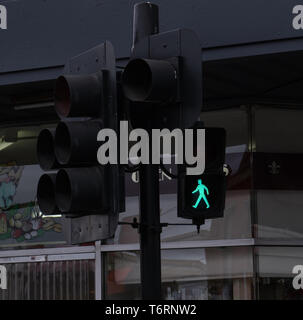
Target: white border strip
[(93, 252), (47, 251), (182, 245), (51, 257)]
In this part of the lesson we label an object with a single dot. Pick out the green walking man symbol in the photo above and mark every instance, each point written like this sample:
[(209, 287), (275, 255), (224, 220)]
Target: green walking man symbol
[(201, 188)]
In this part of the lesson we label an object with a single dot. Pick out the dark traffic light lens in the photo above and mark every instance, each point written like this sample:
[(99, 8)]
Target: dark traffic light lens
[(62, 97), (45, 150), (76, 142), (137, 80), (78, 95), (149, 81), (46, 194), (63, 143), (63, 191), (80, 189)]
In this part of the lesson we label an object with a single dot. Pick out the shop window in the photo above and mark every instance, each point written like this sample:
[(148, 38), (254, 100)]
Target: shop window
[(275, 278), (236, 223), (187, 274), (278, 178)]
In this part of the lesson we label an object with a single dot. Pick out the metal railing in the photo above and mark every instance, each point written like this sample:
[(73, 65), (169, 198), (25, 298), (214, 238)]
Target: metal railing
[(72, 273)]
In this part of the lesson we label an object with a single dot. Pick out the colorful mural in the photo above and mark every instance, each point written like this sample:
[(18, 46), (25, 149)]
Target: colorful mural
[(20, 222)]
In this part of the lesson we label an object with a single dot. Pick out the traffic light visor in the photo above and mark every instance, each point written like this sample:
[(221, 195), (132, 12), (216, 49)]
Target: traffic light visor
[(79, 95), (80, 189), (62, 97), (45, 149), (46, 194), (63, 143), (63, 191), (150, 81)]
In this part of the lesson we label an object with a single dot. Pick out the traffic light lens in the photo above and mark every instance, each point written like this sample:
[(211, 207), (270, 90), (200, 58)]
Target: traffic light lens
[(63, 143), (45, 149), (62, 97), (46, 194), (80, 189), (76, 142), (137, 80), (63, 191), (146, 80), (79, 95)]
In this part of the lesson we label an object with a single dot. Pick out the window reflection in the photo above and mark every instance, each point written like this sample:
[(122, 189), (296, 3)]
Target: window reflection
[(275, 266), (278, 178), (236, 223), (202, 274)]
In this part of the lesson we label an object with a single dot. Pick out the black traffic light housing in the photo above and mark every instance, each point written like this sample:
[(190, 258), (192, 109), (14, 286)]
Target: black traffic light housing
[(163, 80), (86, 101), (202, 196)]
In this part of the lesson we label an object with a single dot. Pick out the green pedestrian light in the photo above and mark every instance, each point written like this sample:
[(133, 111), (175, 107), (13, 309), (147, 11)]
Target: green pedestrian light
[(201, 188)]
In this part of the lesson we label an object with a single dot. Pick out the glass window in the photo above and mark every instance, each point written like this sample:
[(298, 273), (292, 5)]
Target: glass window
[(275, 277), (278, 178), (235, 224), (202, 274)]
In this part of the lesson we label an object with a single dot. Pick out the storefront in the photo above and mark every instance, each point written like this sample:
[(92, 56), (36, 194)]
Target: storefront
[(248, 254)]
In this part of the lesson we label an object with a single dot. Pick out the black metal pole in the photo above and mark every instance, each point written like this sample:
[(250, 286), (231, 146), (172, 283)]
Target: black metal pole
[(150, 231), (146, 23)]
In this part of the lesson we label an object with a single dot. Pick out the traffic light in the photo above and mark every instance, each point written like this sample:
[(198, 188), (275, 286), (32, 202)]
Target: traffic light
[(163, 85), (202, 196), (163, 80), (85, 99)]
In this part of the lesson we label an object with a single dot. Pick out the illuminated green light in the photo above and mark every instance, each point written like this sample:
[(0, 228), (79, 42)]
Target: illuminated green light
[(201, 188)]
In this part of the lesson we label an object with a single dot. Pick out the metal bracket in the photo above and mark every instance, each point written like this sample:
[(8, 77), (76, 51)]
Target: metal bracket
[(137, 225), (90, 228)]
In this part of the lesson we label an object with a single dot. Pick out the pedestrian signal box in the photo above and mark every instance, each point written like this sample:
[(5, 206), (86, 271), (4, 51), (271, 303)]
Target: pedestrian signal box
[(203, 196)]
